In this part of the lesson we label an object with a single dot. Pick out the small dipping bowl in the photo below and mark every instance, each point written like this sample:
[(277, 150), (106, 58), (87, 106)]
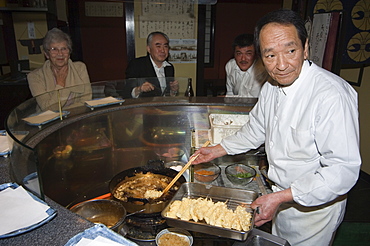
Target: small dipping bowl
[(176, 236), (206, 172), (107, 212), (240, 174)]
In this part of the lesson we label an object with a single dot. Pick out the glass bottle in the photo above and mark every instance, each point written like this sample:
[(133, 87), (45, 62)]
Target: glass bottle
[(189, 90)]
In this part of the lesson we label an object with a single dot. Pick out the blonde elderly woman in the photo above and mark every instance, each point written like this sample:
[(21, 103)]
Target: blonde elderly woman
[(59, 74)]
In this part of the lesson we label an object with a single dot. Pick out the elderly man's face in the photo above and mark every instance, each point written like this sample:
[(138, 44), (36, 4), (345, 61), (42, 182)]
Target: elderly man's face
[(282, 52), (244, 57), (158, 49)]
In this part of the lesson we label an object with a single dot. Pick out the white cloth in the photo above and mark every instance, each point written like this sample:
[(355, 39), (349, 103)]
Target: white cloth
[(244, 83), (311, 135), (18, 210)]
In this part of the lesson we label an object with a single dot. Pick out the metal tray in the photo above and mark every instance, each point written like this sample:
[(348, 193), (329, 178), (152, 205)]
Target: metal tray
[(257, 237), (233, 197)]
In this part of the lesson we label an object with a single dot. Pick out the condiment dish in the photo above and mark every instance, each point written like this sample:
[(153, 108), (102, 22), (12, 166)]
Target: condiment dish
[(240, 174), (206, 172)]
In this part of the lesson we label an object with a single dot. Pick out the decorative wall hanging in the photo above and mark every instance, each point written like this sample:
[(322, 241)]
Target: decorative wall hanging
[(355, 31), (357, 27), (32, 42)]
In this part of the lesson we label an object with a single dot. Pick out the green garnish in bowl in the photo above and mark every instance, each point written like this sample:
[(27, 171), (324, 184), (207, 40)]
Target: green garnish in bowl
[(242, 175)]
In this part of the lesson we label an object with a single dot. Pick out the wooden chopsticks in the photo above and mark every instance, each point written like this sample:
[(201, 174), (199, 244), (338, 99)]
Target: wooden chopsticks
[(183, 170)]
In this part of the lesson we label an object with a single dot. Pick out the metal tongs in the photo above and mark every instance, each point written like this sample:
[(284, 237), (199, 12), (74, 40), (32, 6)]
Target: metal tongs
[(183, 170)]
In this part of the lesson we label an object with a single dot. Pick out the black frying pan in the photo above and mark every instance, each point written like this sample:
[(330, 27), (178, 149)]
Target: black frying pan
[(151, 206)]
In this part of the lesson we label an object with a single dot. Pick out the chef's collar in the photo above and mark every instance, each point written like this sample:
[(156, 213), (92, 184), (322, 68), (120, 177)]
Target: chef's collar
[(293, 87), (164, 64)]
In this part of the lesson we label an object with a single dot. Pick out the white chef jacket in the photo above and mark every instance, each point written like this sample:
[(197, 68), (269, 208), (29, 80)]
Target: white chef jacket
[(244, 83), (311, 135)]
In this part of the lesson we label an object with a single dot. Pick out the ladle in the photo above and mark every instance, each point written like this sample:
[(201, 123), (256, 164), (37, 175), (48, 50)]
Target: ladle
[(183, 170)]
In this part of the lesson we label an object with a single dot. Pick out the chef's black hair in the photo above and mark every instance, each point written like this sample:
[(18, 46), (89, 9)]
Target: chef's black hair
[(283, 17)]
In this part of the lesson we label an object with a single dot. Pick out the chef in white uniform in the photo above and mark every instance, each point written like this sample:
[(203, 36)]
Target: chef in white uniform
[(308, 120), (245, 74)]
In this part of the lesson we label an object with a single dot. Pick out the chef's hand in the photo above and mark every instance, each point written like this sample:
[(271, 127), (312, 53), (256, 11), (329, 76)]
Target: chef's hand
[(268, 205), (207, 154), (145, 87)]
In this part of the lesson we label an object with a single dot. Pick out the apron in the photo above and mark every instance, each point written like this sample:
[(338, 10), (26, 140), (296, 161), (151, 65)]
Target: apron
[(308, 226)]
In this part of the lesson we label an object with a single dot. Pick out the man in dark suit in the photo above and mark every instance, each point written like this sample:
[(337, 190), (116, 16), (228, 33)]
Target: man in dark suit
[(152, 75)]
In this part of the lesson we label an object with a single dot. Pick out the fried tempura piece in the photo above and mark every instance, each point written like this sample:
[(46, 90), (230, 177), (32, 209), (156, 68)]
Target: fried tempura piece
[(244, 217), (152, 194), (219, 209), (216, 214), (173, 209), (193, 209), (183, 212), (203, 206)]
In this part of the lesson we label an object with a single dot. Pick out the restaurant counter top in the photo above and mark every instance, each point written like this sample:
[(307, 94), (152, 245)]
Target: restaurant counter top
[(56, 232), (66, 224)]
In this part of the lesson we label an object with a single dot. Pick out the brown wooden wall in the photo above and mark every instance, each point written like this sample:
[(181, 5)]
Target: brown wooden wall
[(232, 19), (103, 41)]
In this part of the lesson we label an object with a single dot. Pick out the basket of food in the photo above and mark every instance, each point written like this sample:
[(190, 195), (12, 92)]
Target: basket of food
[(213, 210), (224, 125)]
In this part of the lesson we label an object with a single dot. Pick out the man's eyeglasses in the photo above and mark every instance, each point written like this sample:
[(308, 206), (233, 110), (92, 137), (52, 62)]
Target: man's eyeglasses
[(55, 51)]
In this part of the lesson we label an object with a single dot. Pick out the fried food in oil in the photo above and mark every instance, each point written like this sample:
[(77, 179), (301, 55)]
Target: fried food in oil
[(142, 186)]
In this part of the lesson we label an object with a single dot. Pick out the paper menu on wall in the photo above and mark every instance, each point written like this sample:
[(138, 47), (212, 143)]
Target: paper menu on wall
[(319, 36), (175, 18), (173, 28)]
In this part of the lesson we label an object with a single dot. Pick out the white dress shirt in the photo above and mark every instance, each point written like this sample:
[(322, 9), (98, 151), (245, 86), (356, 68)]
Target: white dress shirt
[(159, 71), (244, 83), (311, 135)]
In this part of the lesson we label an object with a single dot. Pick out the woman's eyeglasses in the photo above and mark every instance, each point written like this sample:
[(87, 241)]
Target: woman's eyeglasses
[(55, 51)]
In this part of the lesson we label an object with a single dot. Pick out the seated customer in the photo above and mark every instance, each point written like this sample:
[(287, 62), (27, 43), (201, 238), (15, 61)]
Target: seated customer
[(156, 71), (245, 74), (58, 73)]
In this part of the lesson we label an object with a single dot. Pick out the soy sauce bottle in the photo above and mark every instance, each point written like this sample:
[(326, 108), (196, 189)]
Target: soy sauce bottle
[(189, 90)]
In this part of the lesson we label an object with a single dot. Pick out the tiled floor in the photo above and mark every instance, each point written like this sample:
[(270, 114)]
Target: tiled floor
[(355, 228)]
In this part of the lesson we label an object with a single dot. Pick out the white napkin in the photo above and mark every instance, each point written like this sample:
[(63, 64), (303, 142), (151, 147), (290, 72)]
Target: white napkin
[(105, 100), (40, 118), (4, 144), (19, 210), (98, 241)]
